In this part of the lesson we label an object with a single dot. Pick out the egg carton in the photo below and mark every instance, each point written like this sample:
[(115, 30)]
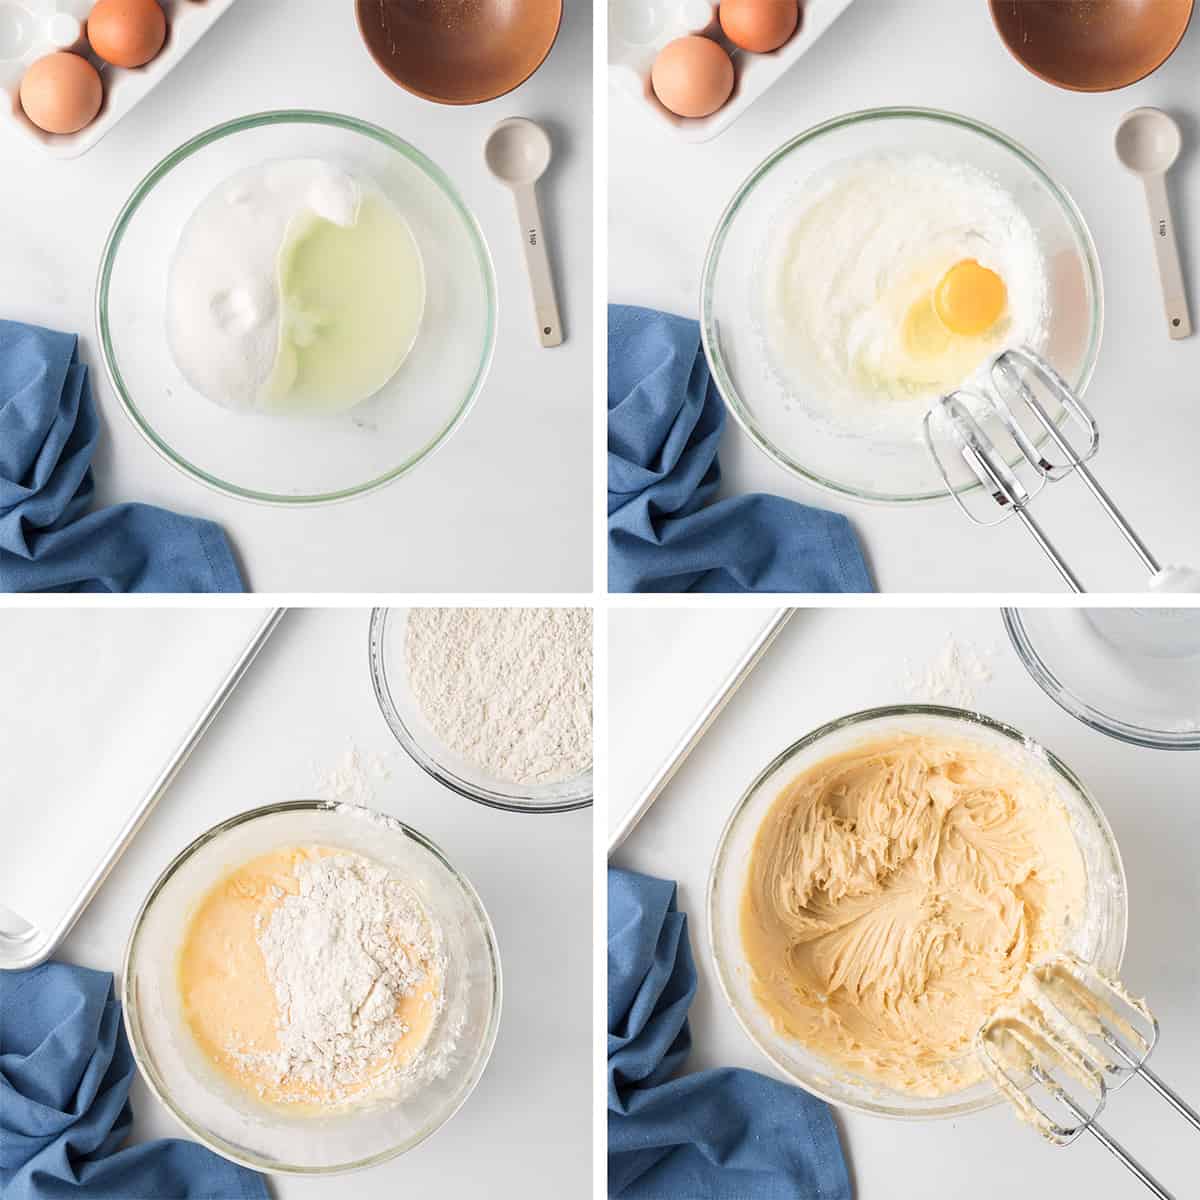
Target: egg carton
[(30, 29), (639, 29)]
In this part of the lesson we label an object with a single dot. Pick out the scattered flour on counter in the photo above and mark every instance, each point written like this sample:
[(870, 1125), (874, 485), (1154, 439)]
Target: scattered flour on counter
[(351, 780), (508, 688), (340, 956), (952, 677)]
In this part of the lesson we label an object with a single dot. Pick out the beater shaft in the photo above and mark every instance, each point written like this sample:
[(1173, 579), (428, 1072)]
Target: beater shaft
[(1108, 1142), (1114, 513), (1185, 1110), (1076, 461), (1131, 1164), (955, 430), (1049, 550)]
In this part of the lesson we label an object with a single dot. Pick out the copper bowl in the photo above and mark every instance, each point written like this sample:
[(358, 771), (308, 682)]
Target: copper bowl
[(459, 51), (1092, 45)]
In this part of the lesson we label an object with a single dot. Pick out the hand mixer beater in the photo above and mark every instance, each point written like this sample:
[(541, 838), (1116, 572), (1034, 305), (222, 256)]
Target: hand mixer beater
[(997, 436), (1070, 1039)]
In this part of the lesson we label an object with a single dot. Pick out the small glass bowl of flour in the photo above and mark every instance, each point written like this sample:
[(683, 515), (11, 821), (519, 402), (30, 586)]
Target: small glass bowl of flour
[(494, 703), (312, 987)]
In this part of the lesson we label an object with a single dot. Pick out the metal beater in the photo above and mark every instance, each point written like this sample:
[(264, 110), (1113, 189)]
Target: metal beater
[(994, 436), (1071, 1039)]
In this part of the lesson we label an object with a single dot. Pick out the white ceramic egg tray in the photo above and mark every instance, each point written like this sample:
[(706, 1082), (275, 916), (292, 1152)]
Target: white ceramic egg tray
[(30, 29), (639, 29)]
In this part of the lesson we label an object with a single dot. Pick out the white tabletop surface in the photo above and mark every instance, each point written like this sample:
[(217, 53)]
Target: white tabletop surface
[(827, 663), (304, 701), (666, 196), (506, 505)]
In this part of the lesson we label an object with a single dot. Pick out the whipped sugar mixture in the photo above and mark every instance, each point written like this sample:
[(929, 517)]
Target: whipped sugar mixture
[(849, 255)]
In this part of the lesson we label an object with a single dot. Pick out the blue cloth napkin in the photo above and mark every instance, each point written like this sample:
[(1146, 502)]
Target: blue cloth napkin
[(714, 1135), (65, 1070), (49, 540), (665, 534)]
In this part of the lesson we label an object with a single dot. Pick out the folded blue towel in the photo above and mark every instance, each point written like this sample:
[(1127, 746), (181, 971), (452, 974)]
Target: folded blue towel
[(714, 1135), (49, 540), (665, 418), (65, 1070)]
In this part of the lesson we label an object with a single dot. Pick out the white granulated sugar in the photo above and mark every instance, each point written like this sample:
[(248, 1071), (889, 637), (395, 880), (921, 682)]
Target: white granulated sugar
[(340, 955), (508, 688), (952, 677)]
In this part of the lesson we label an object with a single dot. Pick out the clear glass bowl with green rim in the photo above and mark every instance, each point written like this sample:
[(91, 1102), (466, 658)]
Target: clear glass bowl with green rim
[(298, 459), (798, 436), (1098, 935), (227, 1118)]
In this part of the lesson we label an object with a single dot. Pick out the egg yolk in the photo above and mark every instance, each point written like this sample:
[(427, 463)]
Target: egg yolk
[(970, 299)]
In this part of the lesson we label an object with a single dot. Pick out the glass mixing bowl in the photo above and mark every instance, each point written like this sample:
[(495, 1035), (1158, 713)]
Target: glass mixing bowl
[(389, 673), (1132, 673), (1099, 938), (221, 1115), (803, 441), (299, 459)]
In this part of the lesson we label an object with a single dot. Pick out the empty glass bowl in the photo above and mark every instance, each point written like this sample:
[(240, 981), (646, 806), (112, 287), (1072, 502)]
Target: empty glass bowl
[(389, 673), (1099, 937), (222, 1116), (1132, 673), (802, 439), (298, 459)]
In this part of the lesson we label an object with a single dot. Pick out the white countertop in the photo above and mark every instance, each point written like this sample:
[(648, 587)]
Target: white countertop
[(666, 196), (507, 504), (304, 701), (829, 662)]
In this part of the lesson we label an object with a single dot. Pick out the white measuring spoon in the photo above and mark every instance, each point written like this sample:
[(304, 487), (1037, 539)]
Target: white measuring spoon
[(517, 153), (1148, 143)]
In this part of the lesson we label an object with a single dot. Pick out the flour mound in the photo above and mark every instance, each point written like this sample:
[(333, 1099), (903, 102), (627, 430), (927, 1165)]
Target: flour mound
[(508, 688), (339, 956)]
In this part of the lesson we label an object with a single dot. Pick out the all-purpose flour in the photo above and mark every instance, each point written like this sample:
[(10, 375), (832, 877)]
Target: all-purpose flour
[(508, 688), (340, 956), (315, 976)]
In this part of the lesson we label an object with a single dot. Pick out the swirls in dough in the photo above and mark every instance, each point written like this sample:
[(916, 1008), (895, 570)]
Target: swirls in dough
[(895, 896)]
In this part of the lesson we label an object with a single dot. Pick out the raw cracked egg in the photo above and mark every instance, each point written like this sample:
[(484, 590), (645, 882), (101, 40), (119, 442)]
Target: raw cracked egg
[(692, 76), (949, 322), (893, 278), (970, 298), (61, 93), (759, 26), (127, 33)]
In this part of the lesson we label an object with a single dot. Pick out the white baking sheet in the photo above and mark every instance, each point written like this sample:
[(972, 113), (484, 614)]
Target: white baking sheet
[(679, 658), (106, 697)]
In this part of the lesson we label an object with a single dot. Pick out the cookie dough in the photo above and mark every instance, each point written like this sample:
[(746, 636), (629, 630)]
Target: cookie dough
[(896, 894)]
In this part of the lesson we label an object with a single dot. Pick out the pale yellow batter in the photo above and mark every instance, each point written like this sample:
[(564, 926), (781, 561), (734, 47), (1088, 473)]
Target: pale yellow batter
[(896, 894), (228, 1001)]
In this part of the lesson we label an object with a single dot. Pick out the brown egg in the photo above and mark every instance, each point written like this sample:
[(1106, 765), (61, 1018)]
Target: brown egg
[(127, 33), (61, 93), (759, 25), (692, 76)]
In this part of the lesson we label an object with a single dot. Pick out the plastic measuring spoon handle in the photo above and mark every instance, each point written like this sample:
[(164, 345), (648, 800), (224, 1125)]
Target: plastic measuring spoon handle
[(537, 261), (1166, 250)]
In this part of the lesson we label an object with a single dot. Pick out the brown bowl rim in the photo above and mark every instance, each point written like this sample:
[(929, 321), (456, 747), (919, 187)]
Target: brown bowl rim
[(422, 95), (1071, 87)]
